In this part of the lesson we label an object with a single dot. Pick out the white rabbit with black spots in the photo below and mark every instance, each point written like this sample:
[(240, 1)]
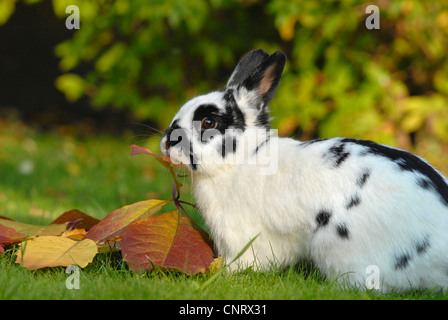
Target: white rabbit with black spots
[(344, 204)]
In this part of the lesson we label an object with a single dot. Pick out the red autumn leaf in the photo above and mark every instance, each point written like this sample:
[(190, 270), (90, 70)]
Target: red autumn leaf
[(165, 160), (76, 219), (167, 241), (2, 249), (9, 235), (114, 223)]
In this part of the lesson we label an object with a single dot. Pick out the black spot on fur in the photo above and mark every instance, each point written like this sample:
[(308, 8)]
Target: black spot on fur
[(322, 218), (338, 154), (342, 231), (402, 261), (424, 183), (354, 201), (407, 162), (419, 247), (422, 246), (363, 179)]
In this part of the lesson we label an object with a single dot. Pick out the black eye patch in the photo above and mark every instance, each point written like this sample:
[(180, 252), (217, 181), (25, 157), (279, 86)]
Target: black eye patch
[(205, 111), (211, 112)]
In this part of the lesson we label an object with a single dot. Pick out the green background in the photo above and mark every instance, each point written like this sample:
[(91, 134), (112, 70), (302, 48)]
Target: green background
[(342, 79)]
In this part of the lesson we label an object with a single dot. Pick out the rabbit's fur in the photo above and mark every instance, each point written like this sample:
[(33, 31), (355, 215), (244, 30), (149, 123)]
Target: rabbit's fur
[(349, 206)]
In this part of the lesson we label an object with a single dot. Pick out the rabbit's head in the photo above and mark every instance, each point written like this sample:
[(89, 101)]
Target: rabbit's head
[(212, 132)]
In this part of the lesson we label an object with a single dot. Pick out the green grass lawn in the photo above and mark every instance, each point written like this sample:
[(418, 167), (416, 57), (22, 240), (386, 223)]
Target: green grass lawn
[(46, 174)]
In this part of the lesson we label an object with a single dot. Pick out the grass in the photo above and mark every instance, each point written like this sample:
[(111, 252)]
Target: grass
[(46, 174)]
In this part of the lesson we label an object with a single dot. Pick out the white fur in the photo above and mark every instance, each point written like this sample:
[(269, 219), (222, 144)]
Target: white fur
[(240, 204), (393, 218)]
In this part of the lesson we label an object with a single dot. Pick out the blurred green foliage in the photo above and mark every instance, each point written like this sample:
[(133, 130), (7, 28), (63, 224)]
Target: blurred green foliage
[(342, 79)]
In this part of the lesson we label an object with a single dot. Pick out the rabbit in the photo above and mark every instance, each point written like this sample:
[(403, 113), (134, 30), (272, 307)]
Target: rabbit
[(366, 214)]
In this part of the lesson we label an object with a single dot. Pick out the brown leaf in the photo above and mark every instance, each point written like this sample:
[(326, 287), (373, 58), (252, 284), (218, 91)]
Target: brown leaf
[(51, 251), (76, 219), (167, 241), (112, 225), (79, 219)]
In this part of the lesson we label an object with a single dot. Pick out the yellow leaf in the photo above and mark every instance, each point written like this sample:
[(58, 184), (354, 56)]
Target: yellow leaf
[(51, 251), (216, 265), (33, 230)]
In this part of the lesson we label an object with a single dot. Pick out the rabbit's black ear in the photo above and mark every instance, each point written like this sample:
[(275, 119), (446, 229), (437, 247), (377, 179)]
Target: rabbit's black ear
[(264, 80), (259, 87), (246, 66)]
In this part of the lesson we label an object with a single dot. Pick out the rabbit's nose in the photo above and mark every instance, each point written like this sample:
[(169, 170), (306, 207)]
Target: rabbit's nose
[(172, 136), (171, 139), (171, 143)]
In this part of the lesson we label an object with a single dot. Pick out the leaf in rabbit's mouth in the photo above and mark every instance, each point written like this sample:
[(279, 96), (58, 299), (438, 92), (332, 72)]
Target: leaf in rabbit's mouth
[(166, 161), (160, 157)]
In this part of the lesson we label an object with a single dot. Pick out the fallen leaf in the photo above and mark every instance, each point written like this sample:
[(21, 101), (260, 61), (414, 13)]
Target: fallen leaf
[(167, 241), (216, 265), (79, 219), (2, 250), (113, 244), (31, 230), (52, 251), (115, 221), (76, 234), (9, 235), (113, 239)]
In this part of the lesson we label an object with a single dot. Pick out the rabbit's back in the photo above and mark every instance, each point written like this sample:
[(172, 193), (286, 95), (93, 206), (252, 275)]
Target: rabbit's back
[(375, 208), (350, 206)]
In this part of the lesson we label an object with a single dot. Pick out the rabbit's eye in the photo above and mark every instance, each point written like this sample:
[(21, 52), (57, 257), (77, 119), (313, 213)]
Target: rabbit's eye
[(208, 123)]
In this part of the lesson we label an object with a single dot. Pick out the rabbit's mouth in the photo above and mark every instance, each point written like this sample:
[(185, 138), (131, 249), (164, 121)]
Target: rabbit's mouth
[(179, 152)]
